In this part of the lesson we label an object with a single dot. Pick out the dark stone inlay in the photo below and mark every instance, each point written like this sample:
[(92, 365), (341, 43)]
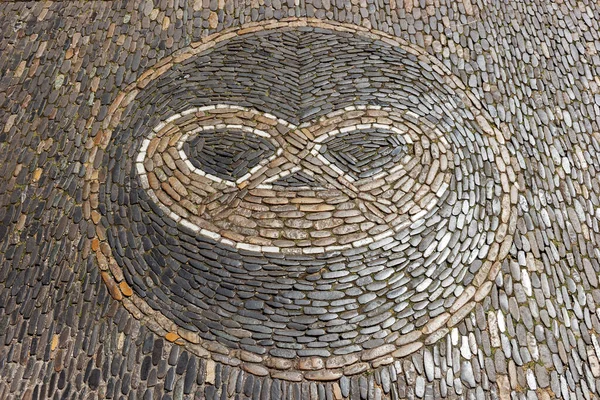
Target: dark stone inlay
[(227, 153), (366, 152), (298, 179)]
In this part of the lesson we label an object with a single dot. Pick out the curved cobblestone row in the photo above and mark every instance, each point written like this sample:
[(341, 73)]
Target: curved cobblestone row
[(384, 253), (299, 200)]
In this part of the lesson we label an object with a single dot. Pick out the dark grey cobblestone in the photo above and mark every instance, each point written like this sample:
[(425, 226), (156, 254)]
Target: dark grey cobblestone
[(68, 197)]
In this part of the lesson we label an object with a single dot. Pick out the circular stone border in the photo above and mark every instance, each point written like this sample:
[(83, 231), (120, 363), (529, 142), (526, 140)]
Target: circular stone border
[(310, 368)]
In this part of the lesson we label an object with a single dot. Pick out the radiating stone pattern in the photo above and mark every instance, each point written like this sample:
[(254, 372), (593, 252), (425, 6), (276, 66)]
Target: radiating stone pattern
[(64, 329)]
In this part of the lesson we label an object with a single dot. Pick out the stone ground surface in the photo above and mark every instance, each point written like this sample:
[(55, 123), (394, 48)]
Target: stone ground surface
[(299, 200)]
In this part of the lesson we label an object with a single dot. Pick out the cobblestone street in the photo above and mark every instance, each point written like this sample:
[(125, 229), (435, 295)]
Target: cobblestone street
[(359, 199)]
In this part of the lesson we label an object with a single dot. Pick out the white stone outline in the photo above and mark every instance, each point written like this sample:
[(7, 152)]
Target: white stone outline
[(139, 162)]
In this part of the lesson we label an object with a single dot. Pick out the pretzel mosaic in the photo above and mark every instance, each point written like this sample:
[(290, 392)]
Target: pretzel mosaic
[(193, 197)]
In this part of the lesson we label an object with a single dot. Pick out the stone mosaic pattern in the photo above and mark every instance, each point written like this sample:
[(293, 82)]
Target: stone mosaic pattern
[(302, 200), (315, 283)]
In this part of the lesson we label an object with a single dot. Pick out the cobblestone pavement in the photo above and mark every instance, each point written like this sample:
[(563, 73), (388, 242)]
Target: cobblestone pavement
[(299, 200)]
